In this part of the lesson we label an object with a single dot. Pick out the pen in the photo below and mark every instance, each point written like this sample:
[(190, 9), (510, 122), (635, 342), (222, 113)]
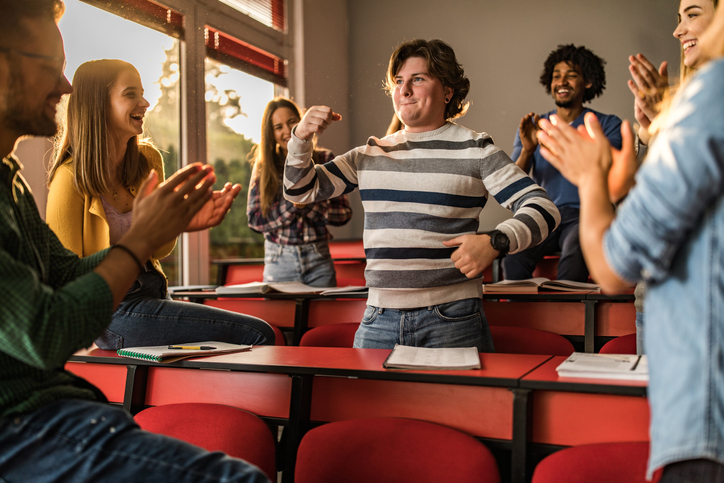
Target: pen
[(638, 359), (192, 347)]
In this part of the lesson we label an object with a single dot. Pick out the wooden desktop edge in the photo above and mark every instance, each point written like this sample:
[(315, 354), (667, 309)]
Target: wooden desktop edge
[(433, 377)]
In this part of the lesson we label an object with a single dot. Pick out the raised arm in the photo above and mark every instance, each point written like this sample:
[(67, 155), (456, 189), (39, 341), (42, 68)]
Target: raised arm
[(585, 157), (301, 182), (648, 85), (54, 303), (281, 213), (523, 152), (159, 216)]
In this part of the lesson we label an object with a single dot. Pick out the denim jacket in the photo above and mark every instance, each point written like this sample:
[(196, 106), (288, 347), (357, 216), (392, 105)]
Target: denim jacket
[(670, 232)]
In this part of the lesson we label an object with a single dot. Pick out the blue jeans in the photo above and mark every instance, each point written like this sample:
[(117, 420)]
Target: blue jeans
[(461, 323), (75, 440), (564, 239), (310, 264), (639, 332), (147, 316)]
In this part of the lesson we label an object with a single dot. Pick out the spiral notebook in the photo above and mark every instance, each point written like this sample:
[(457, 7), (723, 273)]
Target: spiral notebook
[(164, 353)]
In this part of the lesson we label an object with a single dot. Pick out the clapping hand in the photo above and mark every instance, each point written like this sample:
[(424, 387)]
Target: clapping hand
[(215, 209)]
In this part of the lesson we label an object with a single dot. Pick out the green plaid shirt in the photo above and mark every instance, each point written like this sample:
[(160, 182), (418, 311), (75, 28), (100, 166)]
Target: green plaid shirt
[(51, 304)]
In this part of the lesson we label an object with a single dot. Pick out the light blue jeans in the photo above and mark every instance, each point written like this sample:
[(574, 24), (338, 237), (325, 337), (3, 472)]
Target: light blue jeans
[(455, 324), (147, 316), (75, 440), (310, 264)]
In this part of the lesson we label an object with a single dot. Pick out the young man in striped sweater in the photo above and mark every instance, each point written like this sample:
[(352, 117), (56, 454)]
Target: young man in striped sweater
[(422, 189)]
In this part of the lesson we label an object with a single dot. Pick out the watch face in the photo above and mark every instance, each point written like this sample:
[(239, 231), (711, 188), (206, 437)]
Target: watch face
[(500, 241)]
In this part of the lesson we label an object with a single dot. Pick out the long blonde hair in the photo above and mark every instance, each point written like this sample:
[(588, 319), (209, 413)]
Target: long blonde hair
[(86, 137), (266, 157)]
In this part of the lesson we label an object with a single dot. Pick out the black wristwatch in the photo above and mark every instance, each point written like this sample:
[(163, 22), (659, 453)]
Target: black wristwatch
[(499, 241)]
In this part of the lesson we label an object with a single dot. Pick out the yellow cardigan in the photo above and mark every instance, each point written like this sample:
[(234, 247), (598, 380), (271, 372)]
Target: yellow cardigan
[(80, 220)]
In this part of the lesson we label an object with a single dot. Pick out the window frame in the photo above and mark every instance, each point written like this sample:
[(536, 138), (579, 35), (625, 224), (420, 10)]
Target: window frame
[(195, 16)]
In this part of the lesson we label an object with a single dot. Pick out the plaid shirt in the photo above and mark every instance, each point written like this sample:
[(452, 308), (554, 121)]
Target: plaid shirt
[(286, 224), (50, 305)]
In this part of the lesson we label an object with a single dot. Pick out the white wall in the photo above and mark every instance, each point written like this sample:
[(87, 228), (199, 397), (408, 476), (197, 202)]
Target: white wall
[(502, 45)]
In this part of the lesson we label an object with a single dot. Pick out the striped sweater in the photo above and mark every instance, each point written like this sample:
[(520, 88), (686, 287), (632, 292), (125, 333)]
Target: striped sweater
[(418, 190)]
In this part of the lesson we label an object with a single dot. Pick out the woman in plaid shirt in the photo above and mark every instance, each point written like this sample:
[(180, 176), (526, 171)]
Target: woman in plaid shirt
[(295, 245)]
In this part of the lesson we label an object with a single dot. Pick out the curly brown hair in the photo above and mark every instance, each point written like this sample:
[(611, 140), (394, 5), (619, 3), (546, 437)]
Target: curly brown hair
[(441, 64)]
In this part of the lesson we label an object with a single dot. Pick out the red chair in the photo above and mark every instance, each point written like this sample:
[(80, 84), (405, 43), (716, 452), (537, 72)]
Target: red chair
[(392, 450), (215, 427), (335, 335), (279, 338), (523, 340), (596, 463), (626, 344)]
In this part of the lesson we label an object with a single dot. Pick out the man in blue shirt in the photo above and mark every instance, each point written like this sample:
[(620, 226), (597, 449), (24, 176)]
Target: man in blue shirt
[(573, 76)]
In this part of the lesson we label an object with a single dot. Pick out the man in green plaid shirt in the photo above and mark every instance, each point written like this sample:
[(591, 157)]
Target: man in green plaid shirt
[(53, 425)]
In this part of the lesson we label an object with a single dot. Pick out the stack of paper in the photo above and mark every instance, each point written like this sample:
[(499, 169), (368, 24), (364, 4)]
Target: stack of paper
[(406, 357), (286, 287), (533, 284), (605, 366)]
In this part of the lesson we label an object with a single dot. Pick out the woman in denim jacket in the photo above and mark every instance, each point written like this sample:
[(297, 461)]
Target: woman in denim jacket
[(670, 232)]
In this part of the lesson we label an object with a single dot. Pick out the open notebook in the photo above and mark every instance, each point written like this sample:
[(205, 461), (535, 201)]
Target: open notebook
[(167, 353)]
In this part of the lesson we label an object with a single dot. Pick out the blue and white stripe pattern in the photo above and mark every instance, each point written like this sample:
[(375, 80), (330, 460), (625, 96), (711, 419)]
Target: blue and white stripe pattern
[(418, 190)]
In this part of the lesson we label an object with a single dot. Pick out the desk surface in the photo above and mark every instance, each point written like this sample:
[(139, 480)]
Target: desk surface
[(497, 369), (545, 377)]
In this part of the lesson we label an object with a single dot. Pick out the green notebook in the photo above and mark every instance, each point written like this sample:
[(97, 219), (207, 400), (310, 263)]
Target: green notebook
[(166, 353)]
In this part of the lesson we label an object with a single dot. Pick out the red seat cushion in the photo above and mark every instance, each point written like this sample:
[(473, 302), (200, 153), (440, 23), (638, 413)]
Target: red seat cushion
[(215, 427), (626, 344), (384, 450), (595, 463), (524, 340), (334, 335)]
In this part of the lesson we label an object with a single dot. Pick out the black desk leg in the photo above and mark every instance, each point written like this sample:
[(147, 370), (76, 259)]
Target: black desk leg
[(299, 416), (301, 320), (518, 459), (589, 331), (134, 396)]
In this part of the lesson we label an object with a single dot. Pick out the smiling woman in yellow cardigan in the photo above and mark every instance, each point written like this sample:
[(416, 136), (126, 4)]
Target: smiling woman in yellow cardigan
[(80, 220), (98, 168)]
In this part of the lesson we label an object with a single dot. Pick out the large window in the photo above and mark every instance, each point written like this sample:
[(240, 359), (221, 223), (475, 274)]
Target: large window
[(155, 55), (235, 102), (239, 78)]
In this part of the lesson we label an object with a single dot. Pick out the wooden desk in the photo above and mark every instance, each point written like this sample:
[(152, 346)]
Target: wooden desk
[(244, 270), (594, 317), (296, 311), (572, 411), (590, 315), (305, 384)]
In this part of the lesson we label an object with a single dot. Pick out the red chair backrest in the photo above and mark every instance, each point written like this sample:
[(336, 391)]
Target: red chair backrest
[(392, 450), (626, 344), (595, 463), (335, 335), (215, 427), (523, 340), (279, 338)]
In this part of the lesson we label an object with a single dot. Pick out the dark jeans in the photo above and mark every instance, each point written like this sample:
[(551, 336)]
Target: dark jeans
[(147, 317), (461, 323), (565, 240), (79, 441), (693, 471)]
